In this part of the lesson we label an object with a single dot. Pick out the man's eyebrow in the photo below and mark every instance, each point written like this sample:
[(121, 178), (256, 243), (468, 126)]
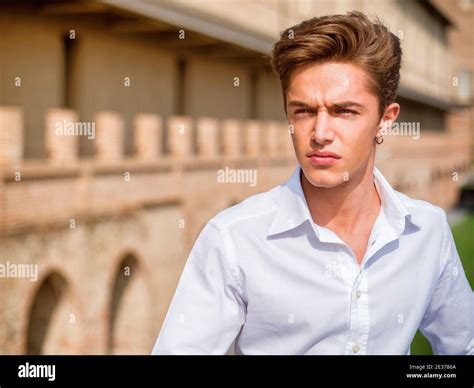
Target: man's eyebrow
[(341, 104), (347, 104), (298, 103)]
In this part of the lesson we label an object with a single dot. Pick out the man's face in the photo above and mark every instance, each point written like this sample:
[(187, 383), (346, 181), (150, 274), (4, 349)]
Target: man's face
[(332, 112)]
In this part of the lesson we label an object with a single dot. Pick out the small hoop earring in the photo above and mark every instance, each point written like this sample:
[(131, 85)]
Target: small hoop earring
[(379, 140)]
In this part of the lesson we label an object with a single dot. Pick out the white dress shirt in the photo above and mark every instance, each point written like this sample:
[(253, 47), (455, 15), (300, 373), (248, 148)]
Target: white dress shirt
[(263, 273)]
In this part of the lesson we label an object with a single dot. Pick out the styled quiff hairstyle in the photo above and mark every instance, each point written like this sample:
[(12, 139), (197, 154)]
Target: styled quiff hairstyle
[(351, 38)]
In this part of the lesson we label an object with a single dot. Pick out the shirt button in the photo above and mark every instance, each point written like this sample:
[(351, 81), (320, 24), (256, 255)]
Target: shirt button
[(355, 348), (358, 294)]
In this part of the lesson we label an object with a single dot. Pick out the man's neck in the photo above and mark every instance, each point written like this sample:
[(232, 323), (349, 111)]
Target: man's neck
[(346, 207)]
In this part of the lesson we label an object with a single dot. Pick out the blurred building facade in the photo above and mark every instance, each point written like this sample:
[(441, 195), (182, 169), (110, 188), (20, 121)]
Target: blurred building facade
[(174, 93)]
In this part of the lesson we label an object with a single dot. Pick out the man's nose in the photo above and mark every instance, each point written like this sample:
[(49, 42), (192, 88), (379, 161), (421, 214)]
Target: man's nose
[(322, 132)]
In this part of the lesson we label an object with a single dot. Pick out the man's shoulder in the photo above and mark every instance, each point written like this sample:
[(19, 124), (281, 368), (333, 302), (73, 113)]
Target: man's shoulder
[(422, 212), (250, 210)]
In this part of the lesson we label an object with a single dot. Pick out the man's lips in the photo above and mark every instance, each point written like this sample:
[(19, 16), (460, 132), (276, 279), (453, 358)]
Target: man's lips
[(323, 158), (323, 154)]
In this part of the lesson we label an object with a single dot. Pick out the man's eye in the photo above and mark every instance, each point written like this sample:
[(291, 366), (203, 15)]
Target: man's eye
[(302, 111), (346, 112)]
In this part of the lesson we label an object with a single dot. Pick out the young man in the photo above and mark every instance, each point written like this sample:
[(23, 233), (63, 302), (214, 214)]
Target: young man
[(334, 261)]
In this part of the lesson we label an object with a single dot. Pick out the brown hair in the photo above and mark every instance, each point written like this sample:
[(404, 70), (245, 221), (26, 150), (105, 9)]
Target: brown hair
[(350, 38)]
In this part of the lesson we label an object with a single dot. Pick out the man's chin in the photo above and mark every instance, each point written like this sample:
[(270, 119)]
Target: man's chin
[(324, 178)]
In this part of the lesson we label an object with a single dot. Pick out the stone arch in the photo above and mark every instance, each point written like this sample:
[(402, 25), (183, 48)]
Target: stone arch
[(52, 327), (130, 317)]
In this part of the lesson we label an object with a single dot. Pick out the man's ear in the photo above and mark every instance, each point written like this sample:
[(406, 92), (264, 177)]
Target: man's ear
[(390, 114)]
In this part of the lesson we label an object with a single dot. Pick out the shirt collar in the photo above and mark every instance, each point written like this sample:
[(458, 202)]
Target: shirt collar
[(293, 209)]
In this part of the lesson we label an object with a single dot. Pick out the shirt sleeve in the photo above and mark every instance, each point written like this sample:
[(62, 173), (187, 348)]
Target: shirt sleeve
[(207, 310), (449, 319)]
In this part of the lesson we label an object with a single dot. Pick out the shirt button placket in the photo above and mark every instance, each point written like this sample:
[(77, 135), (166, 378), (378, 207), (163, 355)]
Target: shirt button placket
[(357, 335)]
